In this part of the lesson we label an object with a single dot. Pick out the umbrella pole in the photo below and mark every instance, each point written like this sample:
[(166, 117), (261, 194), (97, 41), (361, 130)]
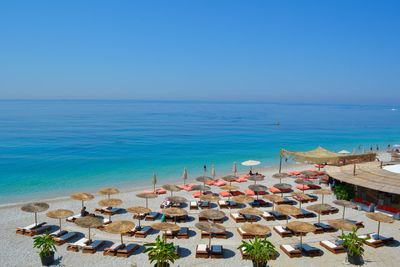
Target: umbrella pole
[(147, 203), (323, 198), (280, 164), (89, 233), (139, 221), (122, 241), (35, 218), (60, 223), (344, 209), (209, 241), (379, 226), (82, 204), (319, 217), (301, 240)]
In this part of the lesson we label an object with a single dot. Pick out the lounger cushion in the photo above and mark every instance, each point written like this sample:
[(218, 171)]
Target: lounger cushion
[(202, 247)]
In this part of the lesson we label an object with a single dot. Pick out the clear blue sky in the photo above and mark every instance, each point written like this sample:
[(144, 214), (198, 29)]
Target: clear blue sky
[(296, 51)]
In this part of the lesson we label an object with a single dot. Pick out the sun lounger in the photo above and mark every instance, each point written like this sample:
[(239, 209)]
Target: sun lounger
[(268, 216), (291, 251), (60, 240), (307, 214), (237, 217), (223, 204), (204, 204), (128, 250), (58, 233), (93, 247), (258, 203), (21, 230), (246, 235), (282, 231), (111, 211), (73, 217), (202, 251), (217, 252), (37, 230), (278, 215), (245, 255), (332, 246), (205, 234), (132, 232), (310, 251), (152, 216), (112, 251), (143, 232), (78, 244), (250, 218), (325, 227), (194, 205), (183, 233), (375, 241)]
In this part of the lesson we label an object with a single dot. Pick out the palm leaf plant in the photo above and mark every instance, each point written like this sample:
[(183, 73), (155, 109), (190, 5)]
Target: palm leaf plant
[(46, 245), (259, 250), (161, 252), (354, 245)]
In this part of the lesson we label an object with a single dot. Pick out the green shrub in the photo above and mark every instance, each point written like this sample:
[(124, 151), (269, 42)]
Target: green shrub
[(344, 191)]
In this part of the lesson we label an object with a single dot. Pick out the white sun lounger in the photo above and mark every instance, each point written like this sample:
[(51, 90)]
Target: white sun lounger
[(78, 244), (64, 238), (92, 248)]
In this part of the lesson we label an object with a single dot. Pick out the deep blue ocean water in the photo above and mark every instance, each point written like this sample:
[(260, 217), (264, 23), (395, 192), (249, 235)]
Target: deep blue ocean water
[(48, 148)]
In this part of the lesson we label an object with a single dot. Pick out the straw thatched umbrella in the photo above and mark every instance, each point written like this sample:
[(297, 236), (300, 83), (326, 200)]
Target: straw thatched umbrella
[(250, 212), (164, 226), (342, 224), (300, 195), (288, 210), (177, 199), (322, 192), (345, 204), (256, 229), (319, 208), (379, 217), (212, 214), (154, 181), (211, 228), (302, 228), (147, 195), (139, 210), (280, 176), (119, 227), (200, 188), (59, 214), (172, 188), (109, 191), (110, 202), (257, 188), (35, 207), (89, 222), (256, 178), (229, 188), (175, 212), (230, 178), (274, 199), (242, 199), (185, 175), (82, 197), (209, 198), (204, 179), (308, 173), (303, 182), (283, 187)]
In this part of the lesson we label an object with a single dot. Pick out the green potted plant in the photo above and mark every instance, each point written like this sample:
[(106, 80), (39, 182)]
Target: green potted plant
[(344, 191), (46, 245), (354, 246), (259, 250), (161, 252)]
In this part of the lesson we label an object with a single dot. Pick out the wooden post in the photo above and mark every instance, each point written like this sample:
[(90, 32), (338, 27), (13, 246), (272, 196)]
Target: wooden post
[(381, 164), (354, 170)]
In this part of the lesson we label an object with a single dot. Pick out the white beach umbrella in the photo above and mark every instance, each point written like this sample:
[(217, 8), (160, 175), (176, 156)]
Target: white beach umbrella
[(344, 152), (250, 163), (154, 181), (185, 175), (234, 169), (213, 172)]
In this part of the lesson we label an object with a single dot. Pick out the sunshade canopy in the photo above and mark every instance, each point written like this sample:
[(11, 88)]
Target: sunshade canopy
[(288, 209), (250, 163), (280, 175), (229, 187), (230, 178), (273, 198), (89, 221), (82, 196), (251, 211), (200, 187), (177, 199), (342, 224), (146, 195), (209, 197), (255, 178), (243, 199), (301, 227), (35, 207), (138, 210), (59, 214), (171, 187), (283, 186), (119, 227), (174, 212), (319, 208), (212, 214), (109, 191), (380, 217), (110, 202), (164, 226), (256, 229), (322, 192), (258, 188), (210, 227), (303, 181), (204, 179), (345, 203)]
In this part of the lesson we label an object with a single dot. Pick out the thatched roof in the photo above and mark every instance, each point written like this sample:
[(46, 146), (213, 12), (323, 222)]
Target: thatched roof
[(368, 175)]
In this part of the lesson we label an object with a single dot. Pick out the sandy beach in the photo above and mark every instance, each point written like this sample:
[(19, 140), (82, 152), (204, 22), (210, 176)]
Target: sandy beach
[(17, 250)]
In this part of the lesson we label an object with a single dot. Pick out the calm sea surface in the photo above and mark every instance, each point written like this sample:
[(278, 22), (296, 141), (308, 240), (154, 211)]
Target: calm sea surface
[(48, 148)]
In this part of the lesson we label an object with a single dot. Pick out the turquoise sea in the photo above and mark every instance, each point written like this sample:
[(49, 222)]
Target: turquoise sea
[(51, 148)]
